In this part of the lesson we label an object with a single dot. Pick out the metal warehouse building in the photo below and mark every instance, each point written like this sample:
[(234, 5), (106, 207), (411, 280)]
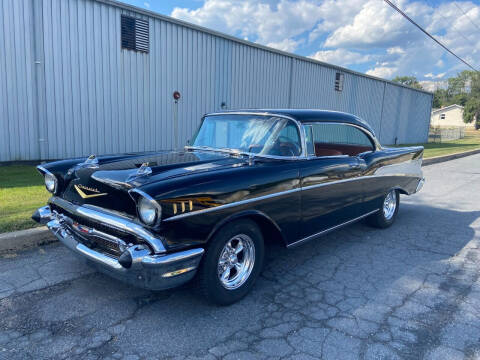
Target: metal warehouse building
[(95, 76)]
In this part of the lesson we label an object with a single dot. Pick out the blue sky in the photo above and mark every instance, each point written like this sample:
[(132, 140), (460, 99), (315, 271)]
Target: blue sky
[(363, 35)]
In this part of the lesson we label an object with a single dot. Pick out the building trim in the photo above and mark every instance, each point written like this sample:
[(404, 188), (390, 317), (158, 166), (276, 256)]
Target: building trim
[(447, 108)]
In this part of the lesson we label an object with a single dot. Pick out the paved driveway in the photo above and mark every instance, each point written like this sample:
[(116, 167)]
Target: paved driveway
[(411, 291)]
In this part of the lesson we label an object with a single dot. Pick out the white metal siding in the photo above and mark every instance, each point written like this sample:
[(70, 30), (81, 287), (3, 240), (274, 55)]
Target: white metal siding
[(86, 95), (18, 130)]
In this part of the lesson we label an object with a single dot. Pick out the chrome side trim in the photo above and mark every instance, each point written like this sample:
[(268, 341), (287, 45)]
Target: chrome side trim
[(246, 201), (311, 237), (115, 221), (336, 182), (236, 203)]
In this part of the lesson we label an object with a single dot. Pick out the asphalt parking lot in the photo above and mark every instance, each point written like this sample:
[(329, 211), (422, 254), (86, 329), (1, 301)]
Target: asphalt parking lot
[(411, 291)]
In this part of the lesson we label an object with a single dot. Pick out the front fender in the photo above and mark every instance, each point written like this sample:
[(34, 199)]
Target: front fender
[(266, 223)]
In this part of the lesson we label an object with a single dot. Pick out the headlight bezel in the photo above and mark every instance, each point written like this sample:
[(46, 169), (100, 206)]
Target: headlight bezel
[(143, 199), (48, 176)]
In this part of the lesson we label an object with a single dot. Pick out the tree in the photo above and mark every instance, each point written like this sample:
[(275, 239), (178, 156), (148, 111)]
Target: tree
[(439, 98), (460, 99), (472, 110), (408, 80), (458, 84), (475, 84)]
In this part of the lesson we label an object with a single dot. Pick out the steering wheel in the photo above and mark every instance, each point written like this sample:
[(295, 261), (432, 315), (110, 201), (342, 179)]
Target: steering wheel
[(293, 148)]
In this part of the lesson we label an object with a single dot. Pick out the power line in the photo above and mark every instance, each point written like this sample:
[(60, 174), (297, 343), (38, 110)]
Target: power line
[(427, 33), (468, 17)]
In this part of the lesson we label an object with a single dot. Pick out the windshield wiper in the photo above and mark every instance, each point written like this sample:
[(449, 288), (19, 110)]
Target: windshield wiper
[(222, 150)]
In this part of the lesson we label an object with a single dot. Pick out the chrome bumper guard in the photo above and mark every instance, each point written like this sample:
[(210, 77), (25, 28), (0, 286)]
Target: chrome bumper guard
[(137, 265), (420, 184)]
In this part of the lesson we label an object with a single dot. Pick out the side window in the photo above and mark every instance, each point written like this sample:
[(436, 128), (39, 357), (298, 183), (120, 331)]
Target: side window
[(339, 139)]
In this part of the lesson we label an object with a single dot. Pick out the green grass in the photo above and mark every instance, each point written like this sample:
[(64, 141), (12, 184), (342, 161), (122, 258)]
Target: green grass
[(471, 141), (21, 193)]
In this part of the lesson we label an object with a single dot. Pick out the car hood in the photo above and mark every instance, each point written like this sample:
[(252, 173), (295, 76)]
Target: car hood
[(107, 180), (129, 172)]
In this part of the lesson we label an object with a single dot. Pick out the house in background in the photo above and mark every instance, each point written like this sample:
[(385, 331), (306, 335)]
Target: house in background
[(449, 116)]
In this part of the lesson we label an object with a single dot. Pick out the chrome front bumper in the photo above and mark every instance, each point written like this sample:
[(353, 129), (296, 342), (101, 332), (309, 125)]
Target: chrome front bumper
[(138, 265)]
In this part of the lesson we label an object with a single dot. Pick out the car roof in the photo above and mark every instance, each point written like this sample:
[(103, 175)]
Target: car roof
[(309, 115)]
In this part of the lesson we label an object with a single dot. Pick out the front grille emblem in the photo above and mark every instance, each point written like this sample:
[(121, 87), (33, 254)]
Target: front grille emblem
[(92, 192)]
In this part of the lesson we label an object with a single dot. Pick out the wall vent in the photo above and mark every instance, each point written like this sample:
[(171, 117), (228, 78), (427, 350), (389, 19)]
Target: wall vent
[(339, 77), (135, 34)]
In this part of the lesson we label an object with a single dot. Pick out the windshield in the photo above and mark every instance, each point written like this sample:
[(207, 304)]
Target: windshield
[(256, 134)]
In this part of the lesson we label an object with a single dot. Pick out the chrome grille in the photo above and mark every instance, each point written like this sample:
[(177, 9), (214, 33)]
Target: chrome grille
[(109, 247)]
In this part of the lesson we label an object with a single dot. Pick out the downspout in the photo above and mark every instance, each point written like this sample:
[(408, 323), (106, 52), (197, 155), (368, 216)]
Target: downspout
[(39, 80), (290, 83), (381, 112)]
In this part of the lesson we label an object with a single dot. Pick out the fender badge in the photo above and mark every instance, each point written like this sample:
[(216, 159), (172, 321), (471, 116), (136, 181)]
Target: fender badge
[(95, 192)]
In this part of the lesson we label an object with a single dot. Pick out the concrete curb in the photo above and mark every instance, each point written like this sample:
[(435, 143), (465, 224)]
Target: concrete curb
[(439, 159), (24, 239)]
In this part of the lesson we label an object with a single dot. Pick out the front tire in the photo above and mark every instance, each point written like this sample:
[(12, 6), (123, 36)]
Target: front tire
[(387, 214), (232, 262)]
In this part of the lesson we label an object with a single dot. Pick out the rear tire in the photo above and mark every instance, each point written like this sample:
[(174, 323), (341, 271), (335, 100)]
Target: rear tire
[(232, 262), (387, 214)]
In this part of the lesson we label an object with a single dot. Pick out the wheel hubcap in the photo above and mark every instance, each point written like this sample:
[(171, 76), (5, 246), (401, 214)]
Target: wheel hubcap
[(236, 261), (390, 204)]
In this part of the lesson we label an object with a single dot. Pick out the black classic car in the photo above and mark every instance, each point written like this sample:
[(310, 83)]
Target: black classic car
[(157, 219)]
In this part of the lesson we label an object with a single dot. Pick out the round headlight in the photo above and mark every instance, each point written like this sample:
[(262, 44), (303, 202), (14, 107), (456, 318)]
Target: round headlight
[(50, 182), (147, 211)]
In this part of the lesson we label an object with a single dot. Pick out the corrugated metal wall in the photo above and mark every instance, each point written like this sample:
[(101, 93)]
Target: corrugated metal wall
[(68, 89)]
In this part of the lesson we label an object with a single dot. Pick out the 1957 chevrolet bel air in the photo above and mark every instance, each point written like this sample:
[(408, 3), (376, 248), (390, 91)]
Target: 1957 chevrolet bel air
[(157, 219)]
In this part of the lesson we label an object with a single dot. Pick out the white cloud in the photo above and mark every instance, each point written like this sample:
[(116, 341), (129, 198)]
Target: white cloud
[(146, 4), (383, 71), (431, 85), (395, 50), (377, 24), (289, 45), (341, 57), (249, 18), (352, 32), (433, 76)]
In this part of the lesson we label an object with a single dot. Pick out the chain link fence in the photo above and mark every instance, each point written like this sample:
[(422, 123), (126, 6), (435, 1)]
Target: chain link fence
[(441, 134)]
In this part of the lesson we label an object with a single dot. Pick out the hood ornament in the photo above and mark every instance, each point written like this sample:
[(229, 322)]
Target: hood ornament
[(92, 159), (91, 162), (143, 170)]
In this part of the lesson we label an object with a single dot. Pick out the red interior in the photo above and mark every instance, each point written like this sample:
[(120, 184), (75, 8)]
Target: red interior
[(323, 149)]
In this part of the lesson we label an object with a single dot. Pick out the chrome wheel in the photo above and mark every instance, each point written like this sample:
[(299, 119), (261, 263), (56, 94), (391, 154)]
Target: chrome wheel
[(236, 261), (390, 204)]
